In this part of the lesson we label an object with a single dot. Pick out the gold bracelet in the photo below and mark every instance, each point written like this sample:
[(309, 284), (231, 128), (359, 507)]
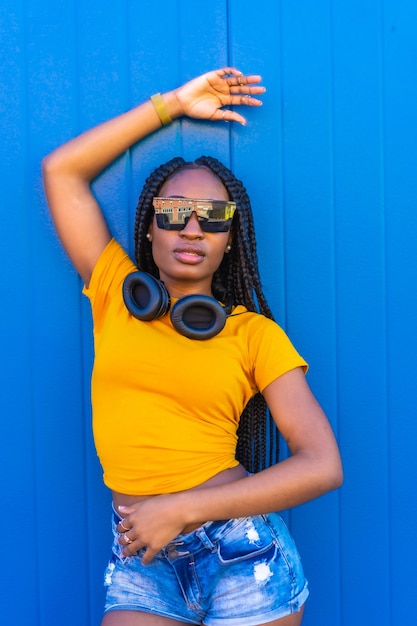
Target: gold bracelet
[(161, 109)]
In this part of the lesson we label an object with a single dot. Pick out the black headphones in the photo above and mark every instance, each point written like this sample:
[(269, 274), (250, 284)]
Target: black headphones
[(195, 317)]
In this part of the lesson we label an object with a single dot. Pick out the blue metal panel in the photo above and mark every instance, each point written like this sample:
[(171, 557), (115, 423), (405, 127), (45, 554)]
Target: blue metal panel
[(255, 49), (58, 420), (307, 118), (329, 164), (360, 301), (400, 156), (17, 449)]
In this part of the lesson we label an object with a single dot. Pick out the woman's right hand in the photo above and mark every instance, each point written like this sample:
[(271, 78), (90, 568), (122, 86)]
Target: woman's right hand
[(204, 96)]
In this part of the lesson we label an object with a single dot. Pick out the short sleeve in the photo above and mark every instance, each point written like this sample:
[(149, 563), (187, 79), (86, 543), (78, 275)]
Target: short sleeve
[(272, 352), (112, 267)]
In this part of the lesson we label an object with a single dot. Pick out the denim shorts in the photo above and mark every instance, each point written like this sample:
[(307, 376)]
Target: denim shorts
[(239, 572)]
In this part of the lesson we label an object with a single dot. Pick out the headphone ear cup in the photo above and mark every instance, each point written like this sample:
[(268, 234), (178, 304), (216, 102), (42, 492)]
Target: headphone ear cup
[(198, 317), (145, 297)]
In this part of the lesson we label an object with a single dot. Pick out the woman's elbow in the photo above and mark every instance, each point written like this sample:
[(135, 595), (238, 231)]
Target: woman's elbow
[(332, 475), (49, 164)]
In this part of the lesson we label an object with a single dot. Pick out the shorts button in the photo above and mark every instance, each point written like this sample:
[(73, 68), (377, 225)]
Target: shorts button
[(172, 552)]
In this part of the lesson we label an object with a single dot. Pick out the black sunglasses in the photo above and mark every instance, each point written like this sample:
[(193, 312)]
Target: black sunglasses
[(214, 216)]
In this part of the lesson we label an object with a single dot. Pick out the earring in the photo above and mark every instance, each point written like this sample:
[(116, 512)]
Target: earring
[(148, 236), (228, 247)]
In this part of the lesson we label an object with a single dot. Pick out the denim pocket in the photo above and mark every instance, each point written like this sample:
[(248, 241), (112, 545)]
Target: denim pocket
[(251, 538), (286, 545)]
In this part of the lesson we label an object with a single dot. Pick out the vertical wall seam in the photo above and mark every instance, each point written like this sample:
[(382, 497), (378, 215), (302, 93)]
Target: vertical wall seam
[(228, 62), (179, 73), (84, 418), (28, 219), (282, 159), (128, 105), (335, 288), (284, 452), (383, 201)]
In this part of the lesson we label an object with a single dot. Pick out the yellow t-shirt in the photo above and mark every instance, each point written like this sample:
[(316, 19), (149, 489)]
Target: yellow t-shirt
[(166, 408)]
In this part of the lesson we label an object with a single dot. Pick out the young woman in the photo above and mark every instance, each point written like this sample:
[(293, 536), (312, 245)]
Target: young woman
[(187, 357)]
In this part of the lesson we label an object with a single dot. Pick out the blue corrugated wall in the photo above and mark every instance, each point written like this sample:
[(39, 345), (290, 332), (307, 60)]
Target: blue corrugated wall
[(330, 164)]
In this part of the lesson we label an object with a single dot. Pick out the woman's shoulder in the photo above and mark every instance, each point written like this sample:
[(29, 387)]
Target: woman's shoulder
[(268, 346), (253, 320), (256, 329), (112, 267), (259, 332)]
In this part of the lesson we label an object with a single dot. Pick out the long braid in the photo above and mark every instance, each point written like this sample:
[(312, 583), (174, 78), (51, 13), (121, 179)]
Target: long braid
[(244, 280), (144, 212), (257, 434), (237, 280)]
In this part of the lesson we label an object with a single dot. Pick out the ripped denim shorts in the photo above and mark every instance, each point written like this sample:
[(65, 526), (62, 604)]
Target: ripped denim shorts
[(239, 572)]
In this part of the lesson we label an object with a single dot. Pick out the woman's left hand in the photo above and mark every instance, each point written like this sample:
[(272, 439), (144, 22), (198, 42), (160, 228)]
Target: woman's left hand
[(204, 96), (151, 524)]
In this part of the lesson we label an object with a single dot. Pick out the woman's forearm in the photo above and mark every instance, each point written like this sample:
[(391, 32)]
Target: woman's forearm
[(290, 483), (154, 522), (90, 153)]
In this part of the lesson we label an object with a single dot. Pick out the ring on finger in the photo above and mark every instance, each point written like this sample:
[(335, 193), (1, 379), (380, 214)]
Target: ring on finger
[(127, 539), (123, 526), (239, 80)]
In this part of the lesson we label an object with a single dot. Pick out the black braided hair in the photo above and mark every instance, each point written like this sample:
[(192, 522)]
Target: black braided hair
[(236, 280)]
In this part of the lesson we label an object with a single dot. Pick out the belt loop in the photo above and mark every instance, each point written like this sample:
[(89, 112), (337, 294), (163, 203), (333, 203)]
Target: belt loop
[(205, 539)]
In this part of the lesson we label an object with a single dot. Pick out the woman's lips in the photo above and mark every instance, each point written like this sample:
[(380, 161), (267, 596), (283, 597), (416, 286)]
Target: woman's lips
[(189, 254)]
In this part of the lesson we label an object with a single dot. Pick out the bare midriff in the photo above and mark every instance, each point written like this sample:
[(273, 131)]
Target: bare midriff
[(226, 476)]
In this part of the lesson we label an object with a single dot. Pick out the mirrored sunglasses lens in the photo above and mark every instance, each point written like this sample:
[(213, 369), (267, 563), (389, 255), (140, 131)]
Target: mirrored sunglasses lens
[(213, 215), (162, 221), (221, 226), (207, 226)]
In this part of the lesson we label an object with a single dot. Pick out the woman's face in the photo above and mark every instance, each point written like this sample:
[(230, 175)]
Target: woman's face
[(188, 258)]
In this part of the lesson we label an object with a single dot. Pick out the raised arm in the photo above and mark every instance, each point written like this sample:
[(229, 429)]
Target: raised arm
[(70, 169)]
